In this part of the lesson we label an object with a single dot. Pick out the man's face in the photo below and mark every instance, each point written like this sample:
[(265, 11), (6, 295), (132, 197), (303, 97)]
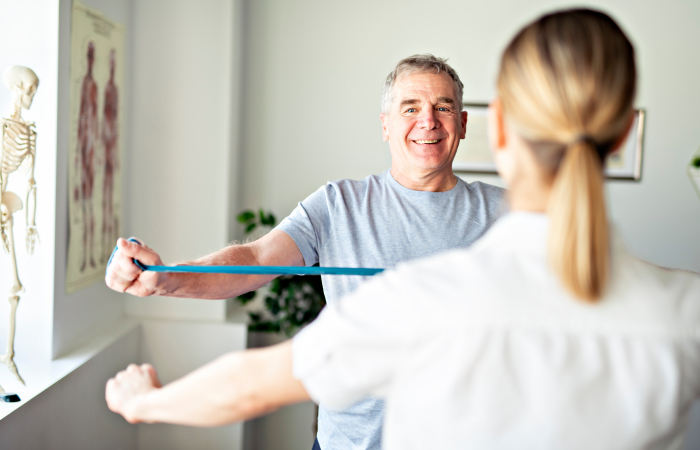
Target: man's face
[(424, 124)]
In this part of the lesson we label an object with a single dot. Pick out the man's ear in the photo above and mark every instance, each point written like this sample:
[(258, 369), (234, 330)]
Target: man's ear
[(463, 134), (496, 129), (385, 126)]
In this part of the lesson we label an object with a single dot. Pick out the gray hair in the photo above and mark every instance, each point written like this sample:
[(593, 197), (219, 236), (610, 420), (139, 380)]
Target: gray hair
[(423, 63)]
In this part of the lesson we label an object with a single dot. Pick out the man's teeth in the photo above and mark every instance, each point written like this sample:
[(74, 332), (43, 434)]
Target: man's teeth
[(433, 141)]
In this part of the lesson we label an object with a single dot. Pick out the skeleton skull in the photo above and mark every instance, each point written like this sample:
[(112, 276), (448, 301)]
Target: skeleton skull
[(22, 81)]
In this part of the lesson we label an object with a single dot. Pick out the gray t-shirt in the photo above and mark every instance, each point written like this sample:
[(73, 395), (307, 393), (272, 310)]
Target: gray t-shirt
[(377, 222)]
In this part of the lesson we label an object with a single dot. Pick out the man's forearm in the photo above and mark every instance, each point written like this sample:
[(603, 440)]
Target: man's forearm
[(274, 249), (235, 387), (217, 286)]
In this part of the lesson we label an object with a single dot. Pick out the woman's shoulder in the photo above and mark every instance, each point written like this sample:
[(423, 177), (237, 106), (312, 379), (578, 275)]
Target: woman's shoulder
[(658, 294)]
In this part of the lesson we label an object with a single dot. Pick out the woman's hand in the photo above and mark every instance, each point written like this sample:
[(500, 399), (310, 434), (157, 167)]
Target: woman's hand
[(124, 391)]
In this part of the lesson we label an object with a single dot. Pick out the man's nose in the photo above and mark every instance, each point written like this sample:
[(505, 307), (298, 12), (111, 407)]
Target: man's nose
[(428, 119)]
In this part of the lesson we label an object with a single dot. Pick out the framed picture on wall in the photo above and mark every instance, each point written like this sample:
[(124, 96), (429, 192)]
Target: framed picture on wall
[(474, 154)]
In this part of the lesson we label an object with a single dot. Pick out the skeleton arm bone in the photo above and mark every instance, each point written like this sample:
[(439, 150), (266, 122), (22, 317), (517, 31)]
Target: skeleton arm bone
[(30, 218), (274, 249), (234, 387), (4, 242)]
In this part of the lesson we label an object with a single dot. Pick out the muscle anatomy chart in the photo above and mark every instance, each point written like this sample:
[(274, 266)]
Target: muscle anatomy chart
[(97, 80)]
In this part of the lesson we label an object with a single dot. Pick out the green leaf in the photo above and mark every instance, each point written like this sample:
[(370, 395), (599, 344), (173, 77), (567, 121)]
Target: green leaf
[(245, 216), (273, 305), (245, 298), (268, 219), (276, 286), (250, 228)]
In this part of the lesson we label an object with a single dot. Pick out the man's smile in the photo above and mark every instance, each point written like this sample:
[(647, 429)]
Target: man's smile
[(428, 141)]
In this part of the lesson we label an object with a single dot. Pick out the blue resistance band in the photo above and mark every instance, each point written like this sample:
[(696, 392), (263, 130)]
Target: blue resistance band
[(255, 270)]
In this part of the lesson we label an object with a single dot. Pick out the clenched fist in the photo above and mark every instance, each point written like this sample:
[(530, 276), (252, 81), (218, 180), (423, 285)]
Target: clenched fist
[(124, 391), (125, 276)]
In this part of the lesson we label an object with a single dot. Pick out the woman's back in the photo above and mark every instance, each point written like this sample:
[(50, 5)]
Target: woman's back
[(507, 358)]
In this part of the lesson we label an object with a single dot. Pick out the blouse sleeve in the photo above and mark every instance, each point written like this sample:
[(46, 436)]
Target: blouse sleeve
[(356, 345)]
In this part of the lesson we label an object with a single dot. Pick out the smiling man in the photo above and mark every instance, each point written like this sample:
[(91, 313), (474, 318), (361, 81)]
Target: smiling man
[(415, 209), (423, 121)]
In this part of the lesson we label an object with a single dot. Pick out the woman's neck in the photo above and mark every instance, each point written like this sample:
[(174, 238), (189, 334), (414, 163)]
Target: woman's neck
[(530, 194)]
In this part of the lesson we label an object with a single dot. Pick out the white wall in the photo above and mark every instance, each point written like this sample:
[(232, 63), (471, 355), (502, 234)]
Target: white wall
[(177, 348), (179, 162), (314, 72)]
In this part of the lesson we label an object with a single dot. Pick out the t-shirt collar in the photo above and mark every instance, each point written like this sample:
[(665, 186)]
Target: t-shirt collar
[(403, 190)]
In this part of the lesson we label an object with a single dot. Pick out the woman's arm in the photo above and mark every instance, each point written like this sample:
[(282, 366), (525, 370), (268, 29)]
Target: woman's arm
[(234, 387)]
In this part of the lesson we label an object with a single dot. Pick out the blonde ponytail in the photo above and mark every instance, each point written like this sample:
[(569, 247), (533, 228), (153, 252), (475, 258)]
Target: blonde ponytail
[(578, 234), (566, 84)]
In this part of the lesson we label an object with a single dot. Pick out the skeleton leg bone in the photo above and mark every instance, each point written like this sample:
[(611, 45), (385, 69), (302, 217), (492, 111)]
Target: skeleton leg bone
[(30, 219), (8, 358)]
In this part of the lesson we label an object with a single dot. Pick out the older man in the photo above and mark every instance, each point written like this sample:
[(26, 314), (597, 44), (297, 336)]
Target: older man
[(415, 209)]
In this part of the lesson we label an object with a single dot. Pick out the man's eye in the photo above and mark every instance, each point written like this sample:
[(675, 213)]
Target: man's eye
[(411, 110), (443, 108)]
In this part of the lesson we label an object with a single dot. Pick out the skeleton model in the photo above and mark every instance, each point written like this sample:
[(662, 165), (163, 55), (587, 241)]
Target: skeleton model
[(18, 146)]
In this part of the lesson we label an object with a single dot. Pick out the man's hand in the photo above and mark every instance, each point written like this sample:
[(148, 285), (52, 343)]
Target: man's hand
[(129, 386), (124, 276)]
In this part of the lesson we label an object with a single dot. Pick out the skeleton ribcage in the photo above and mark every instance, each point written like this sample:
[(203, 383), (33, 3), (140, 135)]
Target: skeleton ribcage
[(19, 144)]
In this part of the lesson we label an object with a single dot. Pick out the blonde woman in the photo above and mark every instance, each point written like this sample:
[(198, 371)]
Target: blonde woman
[(545, 334)]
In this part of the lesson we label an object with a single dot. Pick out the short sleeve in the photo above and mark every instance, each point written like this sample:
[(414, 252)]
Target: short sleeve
[(310, 223), (355, 347)]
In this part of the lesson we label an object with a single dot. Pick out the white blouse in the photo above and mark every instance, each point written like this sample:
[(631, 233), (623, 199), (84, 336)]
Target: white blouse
[(483, 349)]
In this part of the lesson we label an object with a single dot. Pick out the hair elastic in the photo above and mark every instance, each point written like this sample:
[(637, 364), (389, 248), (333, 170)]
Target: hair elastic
[(585, 139), (600, 149)]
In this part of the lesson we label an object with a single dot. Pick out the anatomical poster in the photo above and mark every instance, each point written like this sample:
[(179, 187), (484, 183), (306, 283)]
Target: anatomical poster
[(95, 144)]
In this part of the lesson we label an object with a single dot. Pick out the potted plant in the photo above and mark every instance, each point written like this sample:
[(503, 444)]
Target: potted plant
[(291, 301)]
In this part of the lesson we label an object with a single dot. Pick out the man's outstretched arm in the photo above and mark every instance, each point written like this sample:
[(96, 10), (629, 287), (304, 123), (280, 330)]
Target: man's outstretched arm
[(274, 249), (234, 387)]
